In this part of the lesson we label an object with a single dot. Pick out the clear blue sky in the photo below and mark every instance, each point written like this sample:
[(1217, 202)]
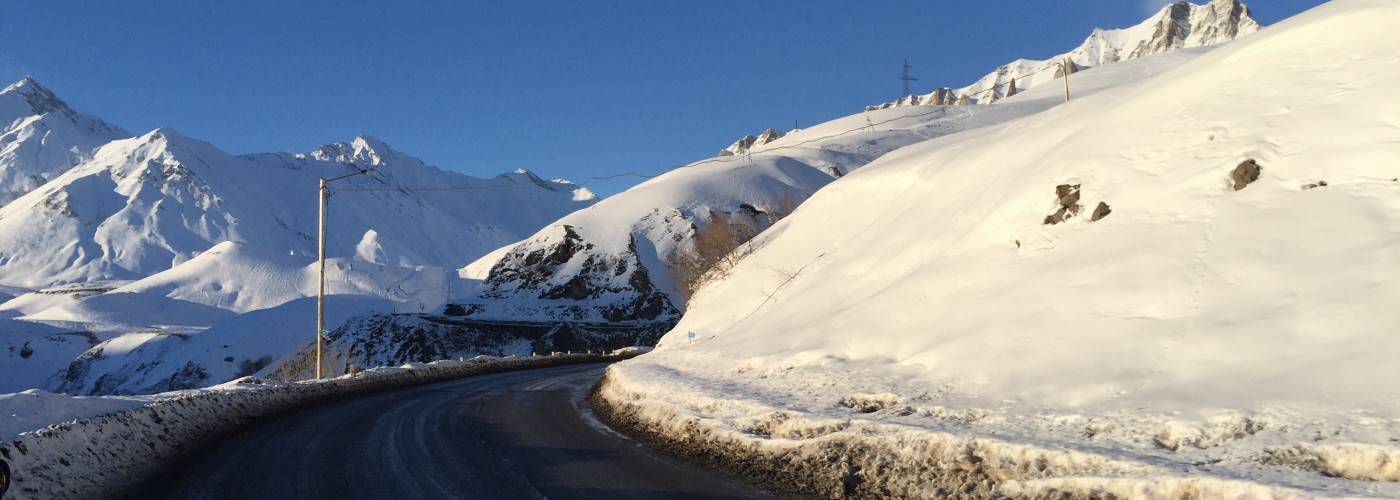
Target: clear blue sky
[(565, 88)]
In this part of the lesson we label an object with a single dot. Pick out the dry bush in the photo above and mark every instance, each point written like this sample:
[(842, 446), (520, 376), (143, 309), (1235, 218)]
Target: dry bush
[(718, 246), (786, 205)]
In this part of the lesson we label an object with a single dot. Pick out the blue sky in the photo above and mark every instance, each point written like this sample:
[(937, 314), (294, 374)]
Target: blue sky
[(567, 89)]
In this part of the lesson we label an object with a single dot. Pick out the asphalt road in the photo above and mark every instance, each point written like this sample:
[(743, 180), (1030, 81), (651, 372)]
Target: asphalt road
[(526, 434)]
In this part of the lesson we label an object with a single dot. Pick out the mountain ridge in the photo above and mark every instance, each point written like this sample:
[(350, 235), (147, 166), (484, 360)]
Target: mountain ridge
[(1177, 26)]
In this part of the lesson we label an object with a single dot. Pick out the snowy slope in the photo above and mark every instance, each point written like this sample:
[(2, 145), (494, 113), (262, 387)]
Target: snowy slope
[(240, 277), (41, 137), (1181, 25), (605, 263), (152, 362), (33, 354), (1241, 336)]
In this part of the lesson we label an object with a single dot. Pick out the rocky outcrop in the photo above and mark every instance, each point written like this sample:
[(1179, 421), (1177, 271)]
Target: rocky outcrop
[(1067, 201), (562, 270), (749, 142)]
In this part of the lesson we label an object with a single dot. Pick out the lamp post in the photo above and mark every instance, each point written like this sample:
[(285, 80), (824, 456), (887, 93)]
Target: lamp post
[(324, 194)]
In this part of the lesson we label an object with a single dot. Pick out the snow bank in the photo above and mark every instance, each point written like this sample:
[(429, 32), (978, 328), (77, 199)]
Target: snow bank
[(797, 435), (34, 409), (112, 453)]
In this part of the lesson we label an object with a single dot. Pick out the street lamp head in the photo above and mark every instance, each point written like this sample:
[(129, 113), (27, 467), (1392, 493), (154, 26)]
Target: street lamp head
[(368, 172)]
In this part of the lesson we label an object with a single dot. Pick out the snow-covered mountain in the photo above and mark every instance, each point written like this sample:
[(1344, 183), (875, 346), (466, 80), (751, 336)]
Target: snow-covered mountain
[(608, 263), (1181, 25), (42, 137), (150, 203), (128, 252), (1226, 328)]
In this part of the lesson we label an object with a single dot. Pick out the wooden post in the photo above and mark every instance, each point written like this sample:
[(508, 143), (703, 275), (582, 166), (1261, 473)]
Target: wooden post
[(1064, 68)]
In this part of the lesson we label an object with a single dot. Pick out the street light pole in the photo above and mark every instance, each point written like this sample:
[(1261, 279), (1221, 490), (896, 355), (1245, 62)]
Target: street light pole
[(323, 194)]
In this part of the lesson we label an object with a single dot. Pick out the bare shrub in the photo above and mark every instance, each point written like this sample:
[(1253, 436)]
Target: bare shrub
[(718, 246), (786, 205)]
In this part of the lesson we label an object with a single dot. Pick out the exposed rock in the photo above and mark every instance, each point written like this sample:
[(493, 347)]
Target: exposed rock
[(580, 283), (1314, 185), (1245, 174), (1067, 197), (1011, 88), (767, 136), (744, 145), (1069, 67), (1100, 212)]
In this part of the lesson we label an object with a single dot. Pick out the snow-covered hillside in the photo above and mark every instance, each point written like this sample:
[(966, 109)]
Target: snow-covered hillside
[(606, 263), (41, 137), (1204, 333), (1181, 25)]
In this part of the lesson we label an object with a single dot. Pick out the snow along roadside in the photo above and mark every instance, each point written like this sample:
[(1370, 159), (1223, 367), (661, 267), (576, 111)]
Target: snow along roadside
[(804, 454), (108, 455)]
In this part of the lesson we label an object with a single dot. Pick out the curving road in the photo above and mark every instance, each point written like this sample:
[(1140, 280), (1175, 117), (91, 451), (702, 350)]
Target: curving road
[(526, 434)]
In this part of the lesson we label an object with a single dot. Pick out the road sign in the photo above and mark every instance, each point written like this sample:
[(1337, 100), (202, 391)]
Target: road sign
[(692, 337)]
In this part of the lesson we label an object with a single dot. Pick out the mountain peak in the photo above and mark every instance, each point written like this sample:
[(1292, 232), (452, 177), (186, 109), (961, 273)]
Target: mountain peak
[(370, 142), (39, 99), (166, 135), (165, 141), (363, 150)]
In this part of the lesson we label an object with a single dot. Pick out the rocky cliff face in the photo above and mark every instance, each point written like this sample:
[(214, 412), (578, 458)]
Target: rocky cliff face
[(1180, 25), (595, 285)]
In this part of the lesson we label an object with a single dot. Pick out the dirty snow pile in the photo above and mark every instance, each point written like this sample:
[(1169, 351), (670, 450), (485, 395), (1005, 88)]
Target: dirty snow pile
[(109, 444), (1194, 325)]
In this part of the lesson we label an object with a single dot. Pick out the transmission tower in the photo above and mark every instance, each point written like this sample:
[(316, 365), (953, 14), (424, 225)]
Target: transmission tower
[(906, 78)]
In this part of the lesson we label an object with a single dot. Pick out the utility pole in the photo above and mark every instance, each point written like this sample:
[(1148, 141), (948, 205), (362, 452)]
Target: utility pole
[(906, 78), (324, 194), (1066, 67)]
